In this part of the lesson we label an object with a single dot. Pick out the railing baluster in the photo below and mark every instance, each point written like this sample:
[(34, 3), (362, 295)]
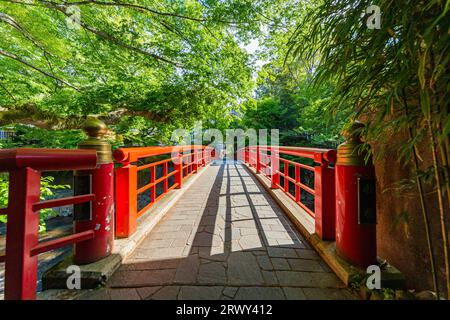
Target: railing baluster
[(179, 168), (286, 175), (275, 167), (166, 182), (297, 186), (258, 161), (324, 201), (126, 204), (152, 181), (22, 235)]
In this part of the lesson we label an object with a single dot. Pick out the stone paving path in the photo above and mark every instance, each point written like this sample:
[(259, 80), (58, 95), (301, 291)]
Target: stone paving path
[(226, 238)]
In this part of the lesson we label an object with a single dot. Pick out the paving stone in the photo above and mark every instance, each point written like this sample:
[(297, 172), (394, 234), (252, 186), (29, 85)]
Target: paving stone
[(294, 293), (250, 242), (305, 265), (248, 231), (156, 243), (281, 252), (326, 280), (265, 263), (212, 273), (216, 244), (208, 254), (270, 278), (99, 294), (230, 291), (259, 293), (124, 294), (166, 293), (187, 270), (280, 264), (307, 254), (294, 278), (146, 292), (200, 293), (142, 278), (243, 269)]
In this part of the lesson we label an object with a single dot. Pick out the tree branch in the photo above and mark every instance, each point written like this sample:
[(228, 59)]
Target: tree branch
[(8, 92), (16, 58), (13, 23)]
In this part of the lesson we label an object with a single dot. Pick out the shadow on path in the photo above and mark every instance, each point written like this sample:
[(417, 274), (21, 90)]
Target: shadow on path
[(225, 238)]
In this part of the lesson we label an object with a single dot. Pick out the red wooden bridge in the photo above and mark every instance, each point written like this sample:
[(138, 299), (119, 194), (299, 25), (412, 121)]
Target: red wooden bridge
[(241, 229)]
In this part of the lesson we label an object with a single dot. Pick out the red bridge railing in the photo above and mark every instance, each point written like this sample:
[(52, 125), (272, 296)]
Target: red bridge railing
[(180, 163), (22, 234), (266, 161)]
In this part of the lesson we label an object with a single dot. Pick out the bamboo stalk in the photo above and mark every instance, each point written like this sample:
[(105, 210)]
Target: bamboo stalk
[(437, 177), (426, 222)]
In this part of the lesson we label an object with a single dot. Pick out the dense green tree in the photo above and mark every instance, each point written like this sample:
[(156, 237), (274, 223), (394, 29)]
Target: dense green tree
[(169, 63)]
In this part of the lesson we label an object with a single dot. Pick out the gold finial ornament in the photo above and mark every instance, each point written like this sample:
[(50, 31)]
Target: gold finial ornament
[(350, 153), (96, 129)]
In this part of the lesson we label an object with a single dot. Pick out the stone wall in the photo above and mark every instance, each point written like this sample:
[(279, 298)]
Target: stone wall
[(400, 231)]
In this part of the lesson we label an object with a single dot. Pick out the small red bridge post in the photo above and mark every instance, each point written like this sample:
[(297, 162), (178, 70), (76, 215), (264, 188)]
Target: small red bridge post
[(356, 239), (179, 169), (275, 167), (126, 200), (101, 217), (324, 200), (258, 160)]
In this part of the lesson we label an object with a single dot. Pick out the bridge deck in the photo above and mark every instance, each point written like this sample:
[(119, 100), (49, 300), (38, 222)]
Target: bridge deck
[(225, 238)]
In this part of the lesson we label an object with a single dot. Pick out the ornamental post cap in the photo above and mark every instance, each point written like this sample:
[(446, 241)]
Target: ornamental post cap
[(95, 128)]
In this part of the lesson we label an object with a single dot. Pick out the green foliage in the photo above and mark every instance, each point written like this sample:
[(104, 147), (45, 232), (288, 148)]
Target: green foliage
[(33, 137), (396, 80), (395, 77), (169, 63), (47, 191)]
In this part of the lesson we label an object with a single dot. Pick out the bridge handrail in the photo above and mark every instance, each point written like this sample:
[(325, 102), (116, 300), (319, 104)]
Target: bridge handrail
[(189, 159), (268, 165), (22, 236), (317, 154), (123, 155)]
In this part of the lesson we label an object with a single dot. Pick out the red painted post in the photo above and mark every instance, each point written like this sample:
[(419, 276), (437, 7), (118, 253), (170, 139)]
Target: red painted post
[(165, 182), (324, 201), (275, 167), (195, 160), (355, 202), (152, 180), (22, 235), (101, 220), (126, 200), (258, 160), (286, 175), (179, 175), (297, 181)]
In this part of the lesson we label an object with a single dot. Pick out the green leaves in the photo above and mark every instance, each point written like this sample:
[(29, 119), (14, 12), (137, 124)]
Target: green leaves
[(47, 191), (170, 62)]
